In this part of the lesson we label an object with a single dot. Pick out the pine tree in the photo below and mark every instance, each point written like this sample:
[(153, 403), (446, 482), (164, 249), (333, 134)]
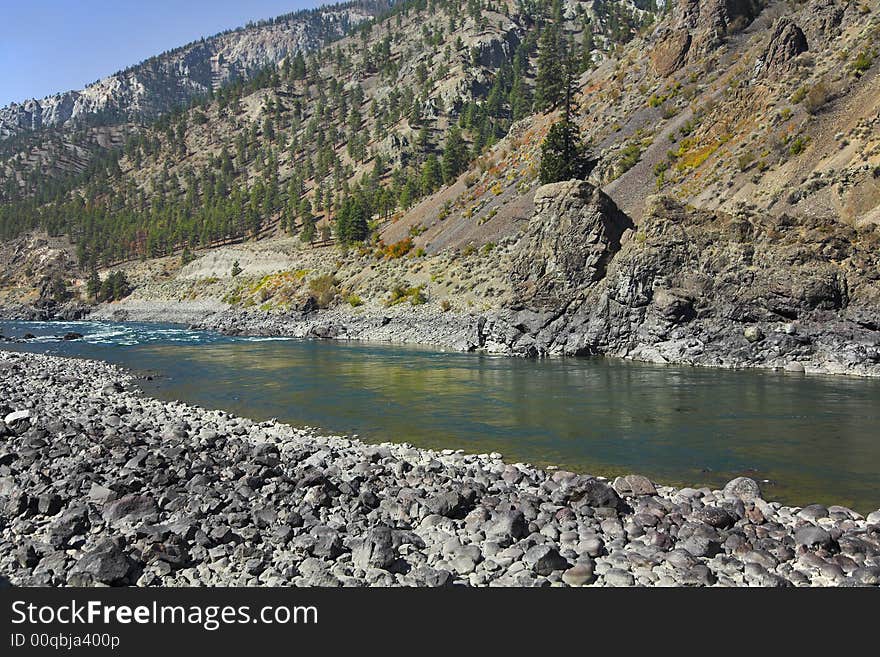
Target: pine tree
[(308, 222), (93, 286), (432, 176), (519, 98), (549, 83), (455, 156), (563, 155), (352, 219), (587, 46)]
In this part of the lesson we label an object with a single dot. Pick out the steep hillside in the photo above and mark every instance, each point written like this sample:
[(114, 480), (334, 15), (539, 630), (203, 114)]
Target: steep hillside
[(381, 118)]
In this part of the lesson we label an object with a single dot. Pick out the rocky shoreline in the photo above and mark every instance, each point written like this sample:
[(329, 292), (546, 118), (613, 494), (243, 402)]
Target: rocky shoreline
[(102, 486), (823, 346)]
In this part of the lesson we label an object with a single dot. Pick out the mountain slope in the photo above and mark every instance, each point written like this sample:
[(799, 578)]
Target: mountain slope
[(172, 79)]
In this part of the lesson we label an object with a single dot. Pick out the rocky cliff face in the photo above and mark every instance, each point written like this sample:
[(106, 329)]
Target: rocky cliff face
[(698, 287), (786, 43), (698, 27), (169, 80), (574, 233)]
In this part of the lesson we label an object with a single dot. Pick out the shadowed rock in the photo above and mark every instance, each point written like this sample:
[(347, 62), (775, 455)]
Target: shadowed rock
[(573, 234), (786, 43)]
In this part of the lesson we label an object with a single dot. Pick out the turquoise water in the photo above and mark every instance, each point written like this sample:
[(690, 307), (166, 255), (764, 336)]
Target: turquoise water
[(808, 439)]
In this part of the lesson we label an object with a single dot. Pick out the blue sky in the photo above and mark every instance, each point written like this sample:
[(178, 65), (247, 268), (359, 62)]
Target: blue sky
[(47, 46)]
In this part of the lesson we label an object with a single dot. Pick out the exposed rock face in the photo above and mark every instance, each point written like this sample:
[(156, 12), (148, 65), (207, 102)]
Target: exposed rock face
[(574, 233), (670, 53), (697, 28), (822, 20), (169, 80), (786, 43), (689, 284)]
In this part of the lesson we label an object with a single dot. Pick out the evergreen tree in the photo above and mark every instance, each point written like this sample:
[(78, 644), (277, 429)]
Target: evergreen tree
[(93, 286), (432, 175), (563, 154), (587, 46), (549, 83), (455, 155), (519, 98), (308, 222), (352, 220)]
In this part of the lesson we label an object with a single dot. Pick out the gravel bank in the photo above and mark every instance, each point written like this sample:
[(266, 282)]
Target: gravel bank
[(100, 485)]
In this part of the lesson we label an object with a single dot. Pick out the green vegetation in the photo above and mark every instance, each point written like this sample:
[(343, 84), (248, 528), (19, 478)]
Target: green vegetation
[(798, 145), (112, 288), (564, 155), (401, 293), (863, 61), (323, 289), (550, 79), (816, 97), (398, 249), (629, 157), (745, 160), (660, 170), (352, 221)]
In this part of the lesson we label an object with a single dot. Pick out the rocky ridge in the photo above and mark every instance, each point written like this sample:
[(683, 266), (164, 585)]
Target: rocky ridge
[(164, 82), (102, 486), (703, 287)]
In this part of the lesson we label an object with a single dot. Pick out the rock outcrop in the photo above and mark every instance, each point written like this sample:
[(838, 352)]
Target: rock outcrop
[(786, 42), (698, 287), (823, 19), (573, 234), (697, 28)]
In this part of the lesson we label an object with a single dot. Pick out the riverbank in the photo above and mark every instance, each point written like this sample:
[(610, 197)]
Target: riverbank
[(731, 290), (103, 485), (824, 345)]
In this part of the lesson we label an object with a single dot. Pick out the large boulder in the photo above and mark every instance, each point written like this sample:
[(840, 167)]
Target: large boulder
[(742, 488), (670, 52), (130, 509), (106, 563), (506, 527), (573, 234), (374, 550)]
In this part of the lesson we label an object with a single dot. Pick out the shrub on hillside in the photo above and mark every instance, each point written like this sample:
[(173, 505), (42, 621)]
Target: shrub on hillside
[(816, 97), (323, 289)]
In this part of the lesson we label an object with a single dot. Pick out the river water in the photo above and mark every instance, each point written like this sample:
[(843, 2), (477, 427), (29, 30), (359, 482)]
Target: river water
[(807, 439)]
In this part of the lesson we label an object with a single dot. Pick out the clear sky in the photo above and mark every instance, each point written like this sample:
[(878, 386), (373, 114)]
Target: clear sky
[(48, 46)]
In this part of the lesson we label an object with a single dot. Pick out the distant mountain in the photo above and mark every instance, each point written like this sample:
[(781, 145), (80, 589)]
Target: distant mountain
[(169, 80)]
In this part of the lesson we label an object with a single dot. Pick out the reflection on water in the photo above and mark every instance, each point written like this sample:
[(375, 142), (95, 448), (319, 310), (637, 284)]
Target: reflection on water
[(813, 438)]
